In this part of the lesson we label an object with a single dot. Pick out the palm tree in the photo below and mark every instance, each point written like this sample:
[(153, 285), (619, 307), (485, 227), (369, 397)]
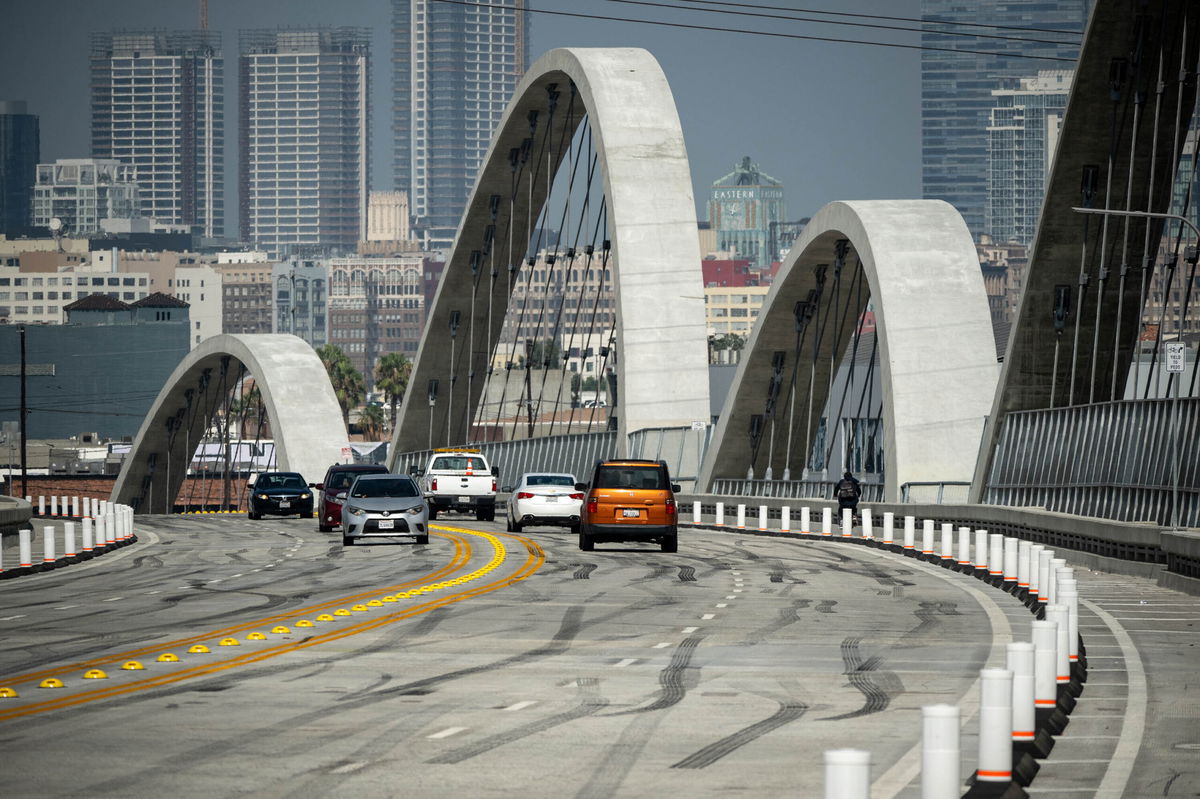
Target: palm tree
[(347, 381), (372, 420), (392, 372)]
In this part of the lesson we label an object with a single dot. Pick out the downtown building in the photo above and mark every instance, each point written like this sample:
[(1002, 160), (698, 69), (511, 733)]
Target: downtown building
[(82, 192), (20, 151), (746, 209), (158, 106), (304, 139), (960, 72), (456, 66)]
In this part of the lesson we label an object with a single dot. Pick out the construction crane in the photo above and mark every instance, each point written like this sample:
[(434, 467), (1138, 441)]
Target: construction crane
[(204, 15)]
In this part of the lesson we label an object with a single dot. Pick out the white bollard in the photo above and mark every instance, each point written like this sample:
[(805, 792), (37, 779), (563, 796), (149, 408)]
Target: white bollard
[(866, 523), (1045, 666), (940, 778), (947, 552), (847, 774), (1010, 559), (69, 540), (720, 514), (1068, 594), (75, 506), (847, 522), (87, 507), (1035, 571), (964, 547), (1019, 660), (762, 517), (64, 508), (25, 544), (696, 512), (1056, 567), (741, 517), (1062, 645), (1044, 572), (88, 546), (981, 550), (995, 726), (41, 505), (826, 521), (1023, 548), (785, 519), (927, 537), (806, 519), (910, 533), (101, 531), (48, 544), (889, 527), (995, 555), (53, 505), (127, 521)]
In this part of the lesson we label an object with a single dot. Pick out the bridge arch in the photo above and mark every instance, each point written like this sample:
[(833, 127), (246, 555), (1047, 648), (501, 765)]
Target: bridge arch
[(936, 348), (662, 372), (305, 418)]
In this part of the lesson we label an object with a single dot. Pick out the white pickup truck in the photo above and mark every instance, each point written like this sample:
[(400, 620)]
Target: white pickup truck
[(460, 480)]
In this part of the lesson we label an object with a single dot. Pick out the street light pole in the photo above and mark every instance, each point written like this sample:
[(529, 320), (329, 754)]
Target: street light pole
[(1179, 332)]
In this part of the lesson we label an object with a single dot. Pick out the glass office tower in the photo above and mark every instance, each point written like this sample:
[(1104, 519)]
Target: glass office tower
[(20, 151)]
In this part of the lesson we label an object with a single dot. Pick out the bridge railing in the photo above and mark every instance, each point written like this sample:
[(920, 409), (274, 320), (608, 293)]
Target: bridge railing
[(791, 489), (576, 453)]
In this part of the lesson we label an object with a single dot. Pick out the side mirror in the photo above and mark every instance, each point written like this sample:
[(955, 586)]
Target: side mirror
[(495, 471), (506, 489), (417, 472), (581, 486), (318, 486), (675, 487)]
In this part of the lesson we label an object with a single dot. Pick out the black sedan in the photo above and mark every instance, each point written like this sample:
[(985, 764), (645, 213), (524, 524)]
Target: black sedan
[(280, 494)]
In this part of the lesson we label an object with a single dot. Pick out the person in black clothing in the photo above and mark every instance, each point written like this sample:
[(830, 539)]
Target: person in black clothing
[(848, 491)]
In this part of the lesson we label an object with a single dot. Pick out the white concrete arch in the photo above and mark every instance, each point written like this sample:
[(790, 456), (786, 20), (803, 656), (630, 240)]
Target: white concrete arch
[(936, 348), (305, 419), (662, 372)]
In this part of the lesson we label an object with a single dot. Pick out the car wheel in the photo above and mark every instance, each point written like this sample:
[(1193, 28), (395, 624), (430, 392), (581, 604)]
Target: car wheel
[(347, 540), (485, 514), (575, 529), (432, 513), (324, 528), (508, 524), (422, 539), (308, 515), (670, 543), (585, 542), (516, 526), (252, 516)]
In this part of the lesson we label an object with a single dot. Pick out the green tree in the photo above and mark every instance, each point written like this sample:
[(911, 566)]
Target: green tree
[(372, 420), (392, 372), (347, 382), (546, 354), (248, 410)]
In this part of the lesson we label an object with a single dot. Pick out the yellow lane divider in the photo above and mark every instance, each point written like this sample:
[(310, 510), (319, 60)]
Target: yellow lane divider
[(534, 561)]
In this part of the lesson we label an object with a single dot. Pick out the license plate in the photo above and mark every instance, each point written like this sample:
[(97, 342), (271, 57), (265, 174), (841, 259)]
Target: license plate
[(283, 503), (387, 524), (631, 513), (464, 500), (551, 499)]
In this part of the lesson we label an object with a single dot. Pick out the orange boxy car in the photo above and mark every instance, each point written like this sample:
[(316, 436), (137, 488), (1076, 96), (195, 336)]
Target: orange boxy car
[(629, 500)]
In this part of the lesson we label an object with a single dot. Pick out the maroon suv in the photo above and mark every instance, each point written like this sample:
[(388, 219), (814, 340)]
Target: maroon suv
[(333, 491)]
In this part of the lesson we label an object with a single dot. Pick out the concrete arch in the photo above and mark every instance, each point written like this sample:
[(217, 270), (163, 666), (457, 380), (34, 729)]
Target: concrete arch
[(937, 353), (305, 418), (662, 372)]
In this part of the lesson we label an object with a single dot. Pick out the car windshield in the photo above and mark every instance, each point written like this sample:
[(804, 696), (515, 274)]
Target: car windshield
[(628, 476), (550, 480), (281, 481), (458, 463), (398, 487)]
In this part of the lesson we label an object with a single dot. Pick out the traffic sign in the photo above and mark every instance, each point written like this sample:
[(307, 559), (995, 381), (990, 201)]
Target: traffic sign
[(1175, 351)]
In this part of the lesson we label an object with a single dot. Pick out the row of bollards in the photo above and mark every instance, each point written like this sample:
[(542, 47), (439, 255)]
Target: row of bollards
[(103, 526), (1021, 706)]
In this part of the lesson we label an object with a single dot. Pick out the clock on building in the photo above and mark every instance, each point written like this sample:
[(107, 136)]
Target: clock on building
[(734, 213)]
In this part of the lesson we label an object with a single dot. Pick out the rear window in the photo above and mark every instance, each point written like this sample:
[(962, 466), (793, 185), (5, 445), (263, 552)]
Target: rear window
[(630, 476), (395, 487), (550, 480), (340, 480), (458, 463)]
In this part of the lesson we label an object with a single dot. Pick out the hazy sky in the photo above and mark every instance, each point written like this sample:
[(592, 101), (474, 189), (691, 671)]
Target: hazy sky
[(832, 120)]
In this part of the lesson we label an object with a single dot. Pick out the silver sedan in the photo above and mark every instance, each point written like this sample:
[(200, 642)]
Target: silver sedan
[(544, 498), (385, 506)]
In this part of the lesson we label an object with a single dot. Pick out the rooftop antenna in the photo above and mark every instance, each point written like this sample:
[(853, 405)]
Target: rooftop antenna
[(204, 15), (56, 227)]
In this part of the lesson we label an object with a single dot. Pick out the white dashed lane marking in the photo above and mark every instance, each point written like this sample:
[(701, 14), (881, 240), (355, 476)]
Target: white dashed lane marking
[(722, 605), (522, 705), (346, 768), (662, 645), (446, 733), (708, 616), (10, 618), (114, 598), (626, 662), (66, 607), (689, 630)]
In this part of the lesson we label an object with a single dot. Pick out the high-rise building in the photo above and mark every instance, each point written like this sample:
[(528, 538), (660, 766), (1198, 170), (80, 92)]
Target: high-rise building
[(81, 192), (456, 65), (303, 142), (20, 151), (1022, 136), (745, 208), (301, 294), (969, 49), (158, 105)]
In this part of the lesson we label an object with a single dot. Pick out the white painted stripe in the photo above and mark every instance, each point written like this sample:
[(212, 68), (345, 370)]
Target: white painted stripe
[(66, 607), (10, 618), (737, 590), (721, 605), (239, 575), (662, 645), (522, 705), (152, 593), (689, 630), (210, 582), (114, 598), (1057, 762), (346, 768), (708, 616), (446, 733), (732, 596), (626, 662), (1133, 727)]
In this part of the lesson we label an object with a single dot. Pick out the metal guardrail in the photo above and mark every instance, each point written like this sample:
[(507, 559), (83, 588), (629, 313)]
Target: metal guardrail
[(576, 453), (947, 492), (792, 489), (1111, 460)]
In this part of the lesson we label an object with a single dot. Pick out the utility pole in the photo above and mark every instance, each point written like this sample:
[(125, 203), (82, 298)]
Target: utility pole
[(204, 15), (23, 416)]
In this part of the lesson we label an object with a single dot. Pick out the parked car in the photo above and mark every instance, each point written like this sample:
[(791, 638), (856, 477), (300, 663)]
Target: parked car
[(629, 500), (280, 494), (332, 491), (544, 498), (385, 506)]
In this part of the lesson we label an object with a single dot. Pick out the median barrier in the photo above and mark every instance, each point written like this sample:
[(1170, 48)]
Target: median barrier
[(102, 527)]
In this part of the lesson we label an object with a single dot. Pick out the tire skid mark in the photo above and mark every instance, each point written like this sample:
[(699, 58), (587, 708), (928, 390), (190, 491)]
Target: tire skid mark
[(590, 701), (660, 570), (675, 679), (788, 615), (687, 574), (787, 713), (584, 570), (878, 687), (826, 606)]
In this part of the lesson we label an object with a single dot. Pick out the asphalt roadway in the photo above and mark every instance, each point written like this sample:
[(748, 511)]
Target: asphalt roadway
[(495, 664)]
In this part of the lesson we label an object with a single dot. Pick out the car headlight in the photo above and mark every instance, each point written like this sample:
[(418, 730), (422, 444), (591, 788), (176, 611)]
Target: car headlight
[(415, 509), (306, 495), (263, 496), (353, 511)]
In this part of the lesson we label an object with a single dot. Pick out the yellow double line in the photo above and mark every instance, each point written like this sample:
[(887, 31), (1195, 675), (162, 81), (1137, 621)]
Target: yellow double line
[(535, 557)]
